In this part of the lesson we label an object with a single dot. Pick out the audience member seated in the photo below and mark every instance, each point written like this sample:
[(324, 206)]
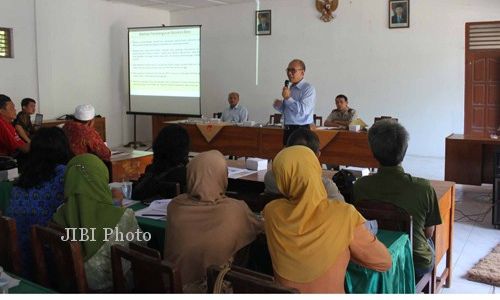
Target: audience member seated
[(83, 138), (388, 142), (311, 239), (235, 112), (10, 142), (304, 137), (204, 226), (88, 204), (40, 188), (343, 115), (170, 157), (22, 123)]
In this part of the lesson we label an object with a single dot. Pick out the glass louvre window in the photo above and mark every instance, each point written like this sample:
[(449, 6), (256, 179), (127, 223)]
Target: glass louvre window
[(5, 43)]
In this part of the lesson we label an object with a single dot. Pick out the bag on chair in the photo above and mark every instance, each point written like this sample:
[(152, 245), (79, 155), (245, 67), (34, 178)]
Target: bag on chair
[(345, 181)]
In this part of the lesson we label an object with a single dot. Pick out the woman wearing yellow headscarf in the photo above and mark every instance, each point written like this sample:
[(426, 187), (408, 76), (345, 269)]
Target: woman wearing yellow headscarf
[(311, 239)]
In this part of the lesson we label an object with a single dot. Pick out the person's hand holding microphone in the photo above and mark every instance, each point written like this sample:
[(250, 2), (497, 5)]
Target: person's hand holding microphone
[(286, 90), (285, 93)]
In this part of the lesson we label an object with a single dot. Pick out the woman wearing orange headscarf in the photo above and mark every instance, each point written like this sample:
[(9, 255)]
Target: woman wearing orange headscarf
[(204, 226), (311, 239)]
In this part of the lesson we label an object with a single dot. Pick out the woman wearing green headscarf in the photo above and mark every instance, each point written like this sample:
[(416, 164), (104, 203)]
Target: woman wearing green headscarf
[(88, 204)]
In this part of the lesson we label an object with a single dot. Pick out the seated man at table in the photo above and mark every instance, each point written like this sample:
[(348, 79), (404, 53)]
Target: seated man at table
[(82, 136), (388, 142), (22, 123), (343, 115), (10, 142), (311, 239), (235, 112), (304, 137)]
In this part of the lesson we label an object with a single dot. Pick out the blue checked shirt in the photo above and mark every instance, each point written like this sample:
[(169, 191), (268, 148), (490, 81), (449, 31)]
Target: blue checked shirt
[(299, 108), (237, 114)]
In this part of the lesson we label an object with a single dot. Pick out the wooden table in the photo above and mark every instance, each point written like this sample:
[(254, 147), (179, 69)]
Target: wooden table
[(99, 125), (443, 235), (469, 158), (130, 165), (346, 148)]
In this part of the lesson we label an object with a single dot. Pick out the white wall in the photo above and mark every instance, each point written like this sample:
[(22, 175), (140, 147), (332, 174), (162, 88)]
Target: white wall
[(82, 55), (18, 75), (415, 74)]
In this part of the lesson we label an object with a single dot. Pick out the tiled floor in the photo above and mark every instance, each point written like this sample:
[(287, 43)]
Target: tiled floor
[(474, 235)]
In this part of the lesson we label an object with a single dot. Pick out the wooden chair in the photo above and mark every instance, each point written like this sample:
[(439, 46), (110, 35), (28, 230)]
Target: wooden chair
[(384, 118), (318, 118), (10, 255), (150, 273), (392, 217), (244, 281), (218, 115), (275, 119), (63, 258), (388, 216)]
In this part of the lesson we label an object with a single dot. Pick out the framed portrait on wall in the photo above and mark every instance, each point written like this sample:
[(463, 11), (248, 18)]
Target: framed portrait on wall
[(399, 13), (263, 22)]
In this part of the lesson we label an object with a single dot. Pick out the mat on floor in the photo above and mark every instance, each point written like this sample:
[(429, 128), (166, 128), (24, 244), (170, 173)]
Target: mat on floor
[(487, 270)]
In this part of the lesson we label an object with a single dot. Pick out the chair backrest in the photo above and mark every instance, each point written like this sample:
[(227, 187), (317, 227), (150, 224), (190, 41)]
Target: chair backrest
[(392, 217), (64, 258), (150, 273), (244, 281), (217, 115), (10, 256), (318, 118), (384, 118), (388, 216), (172, 188), (275, 119)]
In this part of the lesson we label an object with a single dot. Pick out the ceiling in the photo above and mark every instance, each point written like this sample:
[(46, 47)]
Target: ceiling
[(175, 5)]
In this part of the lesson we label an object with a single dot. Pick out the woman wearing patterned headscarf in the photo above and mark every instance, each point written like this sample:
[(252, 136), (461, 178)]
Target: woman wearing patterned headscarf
[(311, 239), (204, 226), (88, 204)]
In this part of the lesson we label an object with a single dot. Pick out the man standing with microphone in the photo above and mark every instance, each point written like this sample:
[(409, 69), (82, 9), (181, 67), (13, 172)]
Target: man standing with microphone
[(298, 101)]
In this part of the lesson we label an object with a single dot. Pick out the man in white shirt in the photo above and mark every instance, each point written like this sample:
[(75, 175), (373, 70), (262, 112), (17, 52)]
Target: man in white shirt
[(235, 112)]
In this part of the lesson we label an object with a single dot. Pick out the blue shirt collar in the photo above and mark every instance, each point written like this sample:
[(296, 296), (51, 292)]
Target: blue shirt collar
[(300, 84)]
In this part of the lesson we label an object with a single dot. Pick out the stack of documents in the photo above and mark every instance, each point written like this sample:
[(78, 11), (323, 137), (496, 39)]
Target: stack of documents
[(156, 210), (236, 173)]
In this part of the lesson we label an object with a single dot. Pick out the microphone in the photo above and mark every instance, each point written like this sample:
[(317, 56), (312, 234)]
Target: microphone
[(287, 82)]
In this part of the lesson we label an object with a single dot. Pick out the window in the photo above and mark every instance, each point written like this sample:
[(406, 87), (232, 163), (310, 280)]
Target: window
[(5, 43)]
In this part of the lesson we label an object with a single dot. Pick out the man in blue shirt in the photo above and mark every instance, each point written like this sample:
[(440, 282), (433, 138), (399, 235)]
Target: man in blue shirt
[(235, 112), (298, 101)]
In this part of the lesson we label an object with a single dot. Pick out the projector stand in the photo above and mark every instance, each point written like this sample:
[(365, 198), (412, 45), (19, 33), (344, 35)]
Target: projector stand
[(135, 143)]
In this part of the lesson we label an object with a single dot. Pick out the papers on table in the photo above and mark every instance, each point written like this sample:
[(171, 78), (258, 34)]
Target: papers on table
[(236, 173), (156, 210), (328, 128), (5, 278), (118, 153), (128, 203)]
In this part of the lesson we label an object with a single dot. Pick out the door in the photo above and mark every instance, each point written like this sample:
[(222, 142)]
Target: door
[(482, 78)]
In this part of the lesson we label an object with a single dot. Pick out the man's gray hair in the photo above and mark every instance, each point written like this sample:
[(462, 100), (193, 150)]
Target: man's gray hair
[(388, 141)]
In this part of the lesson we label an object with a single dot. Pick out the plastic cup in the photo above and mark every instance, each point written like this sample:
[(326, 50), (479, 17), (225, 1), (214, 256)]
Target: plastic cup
[(127, 190), (4, 283)]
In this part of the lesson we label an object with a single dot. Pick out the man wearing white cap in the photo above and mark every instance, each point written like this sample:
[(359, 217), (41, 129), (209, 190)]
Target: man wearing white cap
[(82, 136)]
